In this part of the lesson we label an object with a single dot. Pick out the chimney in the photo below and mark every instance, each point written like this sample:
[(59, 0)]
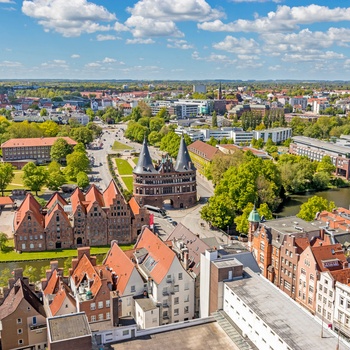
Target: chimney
[(54, 265), (100, 273), (82, 251), (93, 260), (17, 273), (322, 234), (185, 254)]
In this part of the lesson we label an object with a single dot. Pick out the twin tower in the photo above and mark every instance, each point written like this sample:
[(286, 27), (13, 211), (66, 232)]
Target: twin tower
[(163, 182)]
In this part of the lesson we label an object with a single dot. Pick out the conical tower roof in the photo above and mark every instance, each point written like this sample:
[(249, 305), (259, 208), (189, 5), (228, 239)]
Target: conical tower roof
[(183, 160), (254, 216), (144, 165)]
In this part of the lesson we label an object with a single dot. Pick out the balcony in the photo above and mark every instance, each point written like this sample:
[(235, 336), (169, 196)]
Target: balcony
[(165, 292)]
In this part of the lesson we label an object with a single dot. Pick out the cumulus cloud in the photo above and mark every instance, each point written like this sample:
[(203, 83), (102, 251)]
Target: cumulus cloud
[(158, 17), (179, 44), (55, 64), (242, 46), (101, 37), (285, 18), (213, 58), (75, 56), (6, 2), (108, 60), (69, 18), (313, 56), (93, 65)]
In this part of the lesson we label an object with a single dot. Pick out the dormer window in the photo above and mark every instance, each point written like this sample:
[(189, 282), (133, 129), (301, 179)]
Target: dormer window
[(29, 217)]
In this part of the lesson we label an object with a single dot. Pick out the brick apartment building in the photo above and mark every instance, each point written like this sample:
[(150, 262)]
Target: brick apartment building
[(93, 219), (19, 152)]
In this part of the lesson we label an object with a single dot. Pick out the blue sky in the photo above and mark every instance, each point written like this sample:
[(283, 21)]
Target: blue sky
[(175, 39)]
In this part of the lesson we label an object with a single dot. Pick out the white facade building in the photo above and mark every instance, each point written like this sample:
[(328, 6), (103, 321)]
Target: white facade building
[(277, 135)]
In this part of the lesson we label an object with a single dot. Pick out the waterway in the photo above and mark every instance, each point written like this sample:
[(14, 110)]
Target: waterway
[(340, 196)]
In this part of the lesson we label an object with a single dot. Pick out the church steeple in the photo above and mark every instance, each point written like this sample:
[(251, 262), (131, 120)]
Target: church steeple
[(219, 92), (183, 160), (144, 165)]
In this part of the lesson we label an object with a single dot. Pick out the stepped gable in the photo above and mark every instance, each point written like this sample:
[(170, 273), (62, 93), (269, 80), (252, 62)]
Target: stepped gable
[(144, 165), (56, 198), (119, 263), (110, 193), (29, 205), (77, 198), (183, 160), (93, 195), (159, 257)]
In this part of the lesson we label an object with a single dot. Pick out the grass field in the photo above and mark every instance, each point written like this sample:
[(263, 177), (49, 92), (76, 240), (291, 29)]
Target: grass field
[(118, 146), (124, 168), (11, 255), (136, 160), (128, 180)]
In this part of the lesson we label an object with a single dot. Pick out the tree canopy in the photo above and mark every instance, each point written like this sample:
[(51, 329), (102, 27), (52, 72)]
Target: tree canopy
[(6, 175), (34, 176), (315, 204)]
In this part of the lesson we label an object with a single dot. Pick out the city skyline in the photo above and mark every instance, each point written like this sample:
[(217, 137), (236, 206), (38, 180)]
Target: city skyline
[(174, 40)]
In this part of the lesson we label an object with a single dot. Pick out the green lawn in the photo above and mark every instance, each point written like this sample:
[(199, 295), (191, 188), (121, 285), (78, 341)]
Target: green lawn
[(124, 168), (136, 160), (118, 146), (11, 255), (128, 180)]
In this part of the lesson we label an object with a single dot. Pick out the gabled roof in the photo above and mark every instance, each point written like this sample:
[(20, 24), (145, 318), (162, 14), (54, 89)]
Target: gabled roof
[(77, 198), (85, 269), (31, 205), (203, 150), (193, 243), (17, 293), (56, 197), (341, 276), (53, 211), (144, 164), (160, 256), (120, 263), (183, 160), (301, 243), (331, 252), (134, 206), (60, 297), (111, 193), (52, 283), (94, 195)]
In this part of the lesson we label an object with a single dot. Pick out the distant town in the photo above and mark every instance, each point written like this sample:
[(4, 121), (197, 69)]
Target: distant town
[(203, 214)]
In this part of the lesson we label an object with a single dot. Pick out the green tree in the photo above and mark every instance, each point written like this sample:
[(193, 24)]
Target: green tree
[(82, 134), (43, 112), (82, 180), (154, 137), (3, 241), (76, 162), (49, 128), (156, 124), (326, 165), (315, 204), (30, 272), (6, 175), (34, 176), (59, 150), (5, 276), (55, 176)]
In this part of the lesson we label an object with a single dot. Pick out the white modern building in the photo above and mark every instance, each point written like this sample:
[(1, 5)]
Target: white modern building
[(200, 88), (277, 135), (271, 320)]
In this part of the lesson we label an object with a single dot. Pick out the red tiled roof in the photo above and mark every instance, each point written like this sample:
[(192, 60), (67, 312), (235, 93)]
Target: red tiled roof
[(329, 252), (59, 298), (159, 251), (56, 197), (301, 243), (342, 276), (134, 206), (29, 205), (110, 194), (121, 264), (6, 201), (93, 195), (36, 141), (86, 269), (77, 198), (53, 211), (203, 150), (52, 283)]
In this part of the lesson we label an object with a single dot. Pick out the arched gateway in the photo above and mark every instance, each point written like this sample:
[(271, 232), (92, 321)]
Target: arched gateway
[(165, 181)]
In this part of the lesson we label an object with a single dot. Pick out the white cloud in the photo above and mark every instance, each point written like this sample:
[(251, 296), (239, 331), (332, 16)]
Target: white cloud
[(213, 58), (140, 41), (312, 56), (69, 18), (108, 60), (7, 2), (284, 19), (93, 65), (277, 1), (101, 37), (179, 44), (10, 64), (242, 46), (159, 17), (274, 68), (75, 56), (55, 64)]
